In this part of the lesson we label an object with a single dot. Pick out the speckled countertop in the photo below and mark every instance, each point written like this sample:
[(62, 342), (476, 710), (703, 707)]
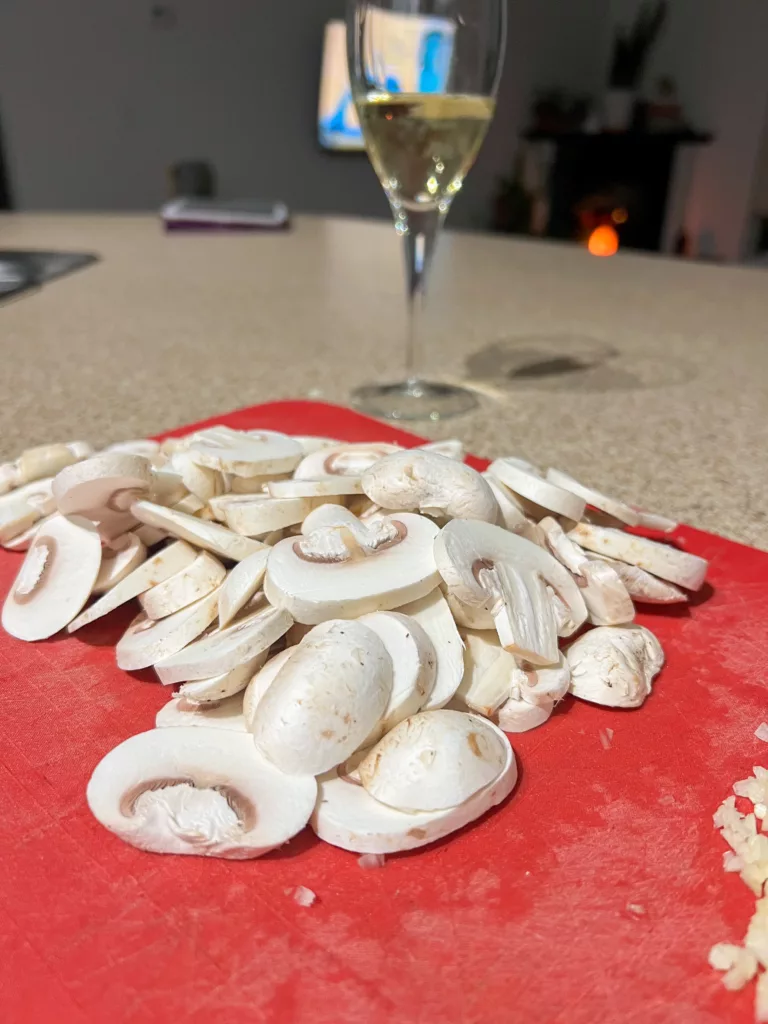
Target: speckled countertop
[(640, 375)]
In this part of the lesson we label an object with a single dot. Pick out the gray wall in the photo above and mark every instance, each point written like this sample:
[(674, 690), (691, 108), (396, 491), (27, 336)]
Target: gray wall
[(96, 102)]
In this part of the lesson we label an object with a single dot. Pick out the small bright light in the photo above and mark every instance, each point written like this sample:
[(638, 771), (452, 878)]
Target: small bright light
[(619, 215), (439, 166), (432, 185), (603, 241)]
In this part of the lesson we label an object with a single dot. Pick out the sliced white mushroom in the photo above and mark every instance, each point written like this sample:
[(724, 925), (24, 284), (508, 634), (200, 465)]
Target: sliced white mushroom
[(330, 575), (198, 791), (259, 684), (325, 700), (167, 487), (327, 487), (17, 517), (512, 516), (343, 460), (150, 535), (22, 540), (614, 665), (224, 649), (253, 515), (489, 567), (226, 684), (201, 481), (189, 584), (491, 674), (434, 616), (451, 448), (190, 504), (414, 662), (468, 616), (562, 547), (517, 715), (225, 714), (432, 761), (55, 579), (250, 454), (545, 686), (670, 563), (607, 599), (202, 534), (654, 521), (116, 565), (147, 641), (241, 584), (310, 443), (611, 506), (140, 446), (423, 481), (641, 585), (103, 486), (46, 460), (156, 569), (525, 481), (349, 817)]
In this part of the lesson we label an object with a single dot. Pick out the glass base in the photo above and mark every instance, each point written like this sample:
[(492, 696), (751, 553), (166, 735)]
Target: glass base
[(414, 400)]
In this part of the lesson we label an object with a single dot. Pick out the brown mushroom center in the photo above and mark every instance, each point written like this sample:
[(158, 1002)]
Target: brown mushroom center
[(36, 567)]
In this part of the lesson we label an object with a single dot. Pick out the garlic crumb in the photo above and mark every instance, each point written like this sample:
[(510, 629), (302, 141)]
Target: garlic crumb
[(371, 860), (762, 732), (303, 896)]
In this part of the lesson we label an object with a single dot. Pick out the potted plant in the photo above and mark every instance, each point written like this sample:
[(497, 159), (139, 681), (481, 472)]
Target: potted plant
[(631, 49)]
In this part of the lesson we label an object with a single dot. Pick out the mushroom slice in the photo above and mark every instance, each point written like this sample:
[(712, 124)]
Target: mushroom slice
[(202, 534), (545, 686), (55, 579), (201, 481), (157, 568), (432, 484), (150, 535), (347, 816), (414, 663), (468, 616), (251, 454), (241, 584), (325, 699), (524, 480), (662, 560), (189, 584), (140, 446), (226, 684), (17, 517), (434, 616), (489, 567), (103, 484), (147, 641), (253, 515), (343, 460), (517, 715), (259, 684), (614, 665), (607, 599), (491, 674), (562, 547), (451, 448), (641, 585), (116, 565), (190, 504), (224, 714), (198, 791), (167, 487), (325, 488), (512, 517), (22, 540), (47, 459), (654, 521), (432, 761), (329, 574), (611, 506), (225, 649), (310, 443)]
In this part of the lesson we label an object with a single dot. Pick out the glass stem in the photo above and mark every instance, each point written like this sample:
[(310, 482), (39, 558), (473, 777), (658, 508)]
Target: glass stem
[(419, 242)]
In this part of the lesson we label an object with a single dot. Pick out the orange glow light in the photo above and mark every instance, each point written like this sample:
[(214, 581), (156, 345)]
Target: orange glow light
[(604, 241), (619, 215)]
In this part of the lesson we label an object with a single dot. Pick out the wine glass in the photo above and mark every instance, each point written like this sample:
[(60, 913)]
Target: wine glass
[(424, 75)]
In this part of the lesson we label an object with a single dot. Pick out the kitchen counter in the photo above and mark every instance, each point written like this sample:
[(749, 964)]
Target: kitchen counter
[(640, 375)]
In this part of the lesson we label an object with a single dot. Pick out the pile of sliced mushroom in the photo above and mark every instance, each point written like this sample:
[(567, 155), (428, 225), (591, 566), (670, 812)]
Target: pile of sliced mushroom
[(353, 628)]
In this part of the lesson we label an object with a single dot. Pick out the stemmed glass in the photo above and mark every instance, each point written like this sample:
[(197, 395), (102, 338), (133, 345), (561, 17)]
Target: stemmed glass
[(424, 75)]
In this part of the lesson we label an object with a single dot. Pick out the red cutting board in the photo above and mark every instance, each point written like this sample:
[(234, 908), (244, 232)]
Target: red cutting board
[(524, 917)]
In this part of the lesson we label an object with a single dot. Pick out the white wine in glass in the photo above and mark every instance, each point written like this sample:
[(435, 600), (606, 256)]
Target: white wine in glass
[(424, 75)]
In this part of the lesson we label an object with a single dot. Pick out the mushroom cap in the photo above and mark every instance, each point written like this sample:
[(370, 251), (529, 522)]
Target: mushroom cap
[(670, 563), (224, 714), (224, 649), (259, 684), (254, 514), (607, 599), (524, 480), (214, 689), (314, 590), (614, 665), (156, 569), (343, 460), (186, 586), (198, 791), (349, 817), (199, 532), (611, 506), (246, 454), (109, 481), (434, 616), (517, 715), (325, 699), (147, 641), (414, 661), (55, 579), (432, 761), (424, 481), (241, 584), (115, 566), (489, 567)]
